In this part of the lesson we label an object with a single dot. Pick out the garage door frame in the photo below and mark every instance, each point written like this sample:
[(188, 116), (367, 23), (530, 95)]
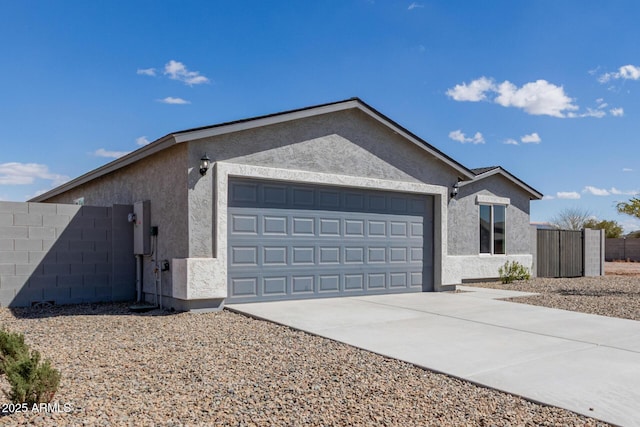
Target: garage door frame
[(298, 241), (223, 171)]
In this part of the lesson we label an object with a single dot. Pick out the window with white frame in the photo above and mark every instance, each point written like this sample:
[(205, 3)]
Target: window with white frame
[(492, 229)]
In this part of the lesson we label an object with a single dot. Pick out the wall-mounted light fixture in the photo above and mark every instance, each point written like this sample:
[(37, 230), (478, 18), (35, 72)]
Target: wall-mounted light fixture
[(205, 162), (454, 190)]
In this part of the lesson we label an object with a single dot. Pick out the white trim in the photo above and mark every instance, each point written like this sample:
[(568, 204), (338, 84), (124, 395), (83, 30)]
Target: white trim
[(492, 200), (224, 171)]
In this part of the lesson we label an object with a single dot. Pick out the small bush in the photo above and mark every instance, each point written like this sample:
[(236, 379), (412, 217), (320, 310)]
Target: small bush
[(513, 270), (31, 380), (12, 348)]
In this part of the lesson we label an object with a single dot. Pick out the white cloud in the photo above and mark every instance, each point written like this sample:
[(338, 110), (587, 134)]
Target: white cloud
[(178, 71), (414, 5), (617, 112), (142, 141), (627, 170), (567, 195), (596, 191), (458, 135), (475, 91), (626, 72), (510, 141), (15, 173), (629, 72), (604, 192), (532, 138), (615, 191), (172, 100), (590, 113), (535, 98), (101, 152), (545, 197), (146, 71)]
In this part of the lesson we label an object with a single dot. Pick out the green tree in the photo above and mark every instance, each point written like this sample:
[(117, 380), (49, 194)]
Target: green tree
[(632, 207), (612, 229)]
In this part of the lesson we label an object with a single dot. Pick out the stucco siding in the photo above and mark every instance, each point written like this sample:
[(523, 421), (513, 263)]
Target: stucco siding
[(464, 233), (161, 179), (346, 143)]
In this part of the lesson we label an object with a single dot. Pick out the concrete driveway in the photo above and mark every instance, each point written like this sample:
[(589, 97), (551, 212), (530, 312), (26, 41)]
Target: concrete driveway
[(585, 363)]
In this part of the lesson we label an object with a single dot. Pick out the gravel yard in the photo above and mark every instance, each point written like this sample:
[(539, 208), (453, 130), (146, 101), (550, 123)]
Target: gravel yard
[(615, 295), (226, 369)]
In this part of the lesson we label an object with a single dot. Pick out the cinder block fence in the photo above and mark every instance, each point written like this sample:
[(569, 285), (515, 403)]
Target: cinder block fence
[(65, 254), (623, 249)]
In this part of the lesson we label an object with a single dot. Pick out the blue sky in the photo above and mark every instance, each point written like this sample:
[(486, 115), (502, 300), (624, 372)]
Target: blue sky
[(546, 89)]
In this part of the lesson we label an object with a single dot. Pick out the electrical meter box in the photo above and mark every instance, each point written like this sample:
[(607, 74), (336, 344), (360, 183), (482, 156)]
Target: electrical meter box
[(141, 227)]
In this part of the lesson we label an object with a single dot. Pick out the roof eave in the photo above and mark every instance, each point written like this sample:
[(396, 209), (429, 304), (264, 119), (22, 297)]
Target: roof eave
[(139, 154), (533, 193), (251, 123)]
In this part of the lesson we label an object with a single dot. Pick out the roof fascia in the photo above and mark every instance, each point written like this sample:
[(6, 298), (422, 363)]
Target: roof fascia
[(314, 111), (263, 121), (535, 194), (159, 145), (465, 172), (184, 136)]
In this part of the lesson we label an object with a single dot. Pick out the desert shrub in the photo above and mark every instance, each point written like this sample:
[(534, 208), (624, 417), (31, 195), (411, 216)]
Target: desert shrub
[(31, 380), (12, 348), (513, 270)]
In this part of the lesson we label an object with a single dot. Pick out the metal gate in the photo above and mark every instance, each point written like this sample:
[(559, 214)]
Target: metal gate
[(560, 253)]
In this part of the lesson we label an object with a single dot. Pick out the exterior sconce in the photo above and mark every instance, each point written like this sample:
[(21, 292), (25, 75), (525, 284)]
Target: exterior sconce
[(454, 190), (205, 162)]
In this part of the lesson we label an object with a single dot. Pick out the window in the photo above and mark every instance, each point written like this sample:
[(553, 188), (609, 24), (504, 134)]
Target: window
[(492, 229)]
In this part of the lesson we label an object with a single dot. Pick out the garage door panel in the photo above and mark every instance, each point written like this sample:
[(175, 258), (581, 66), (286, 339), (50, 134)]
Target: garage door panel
[(275, 195), (274, 256), (376, 281), (275, 225), (324, 241), (245, 224), (302, 284), (354, 228), (377, 228), (274, 286), (329, 283), (244, 286), (353, 282), (329, 227), (329, 255), (244, 256), (398, 280), (303, 255)]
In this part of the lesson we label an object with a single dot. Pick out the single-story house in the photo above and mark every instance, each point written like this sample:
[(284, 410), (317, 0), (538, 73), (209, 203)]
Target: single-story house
[(325, 201)]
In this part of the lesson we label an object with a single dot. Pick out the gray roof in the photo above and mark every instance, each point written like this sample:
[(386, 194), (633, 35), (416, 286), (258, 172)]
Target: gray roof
[(466, 174), (480, 171), (486, 172)]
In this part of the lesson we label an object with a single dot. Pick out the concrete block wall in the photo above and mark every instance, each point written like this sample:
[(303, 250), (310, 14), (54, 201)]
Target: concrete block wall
[(594, 248), (622, 249), (65, 254)]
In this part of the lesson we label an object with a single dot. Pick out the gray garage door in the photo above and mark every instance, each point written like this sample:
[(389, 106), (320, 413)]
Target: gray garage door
[(296, 241)]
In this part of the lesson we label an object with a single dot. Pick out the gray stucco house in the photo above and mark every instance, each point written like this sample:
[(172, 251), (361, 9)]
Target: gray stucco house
[(330, 200)]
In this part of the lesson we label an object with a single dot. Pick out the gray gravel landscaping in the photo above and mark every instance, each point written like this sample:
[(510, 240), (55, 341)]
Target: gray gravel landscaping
[(613, 296), (223, 368)]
